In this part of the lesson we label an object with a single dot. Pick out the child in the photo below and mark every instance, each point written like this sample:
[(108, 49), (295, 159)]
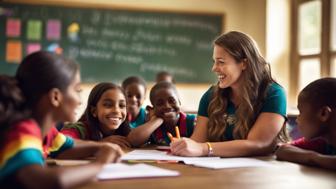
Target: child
[(164, 116), (104, 117), (164, 76), (135, 89), (44, 91), (317, 123)]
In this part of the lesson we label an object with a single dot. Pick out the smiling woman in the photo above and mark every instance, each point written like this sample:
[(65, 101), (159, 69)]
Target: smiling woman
[(244, 113)]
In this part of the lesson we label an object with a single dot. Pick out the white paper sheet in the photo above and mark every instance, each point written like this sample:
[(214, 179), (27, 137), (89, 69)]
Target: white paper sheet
[(160, 155), (122, 171), (229, 163)]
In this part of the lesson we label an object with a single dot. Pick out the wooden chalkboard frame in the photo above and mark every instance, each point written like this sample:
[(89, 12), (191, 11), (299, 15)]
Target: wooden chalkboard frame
[(197, 78)]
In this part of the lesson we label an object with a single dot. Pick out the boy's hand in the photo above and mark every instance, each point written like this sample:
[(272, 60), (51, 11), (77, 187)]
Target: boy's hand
[(150, 113), (294, 154)]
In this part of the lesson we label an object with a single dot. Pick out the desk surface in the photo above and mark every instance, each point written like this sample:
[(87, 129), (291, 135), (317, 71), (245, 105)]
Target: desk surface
[(284, 175)]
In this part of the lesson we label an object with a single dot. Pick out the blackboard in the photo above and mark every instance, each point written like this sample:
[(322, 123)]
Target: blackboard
[(111, 44)]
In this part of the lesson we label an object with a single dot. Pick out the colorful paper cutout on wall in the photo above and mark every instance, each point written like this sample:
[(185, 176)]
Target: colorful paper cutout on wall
[(73, 30), (53, 30), (13, 51), (34, 29), (6, 11), (56, 48), (13, 27), (33, 47)]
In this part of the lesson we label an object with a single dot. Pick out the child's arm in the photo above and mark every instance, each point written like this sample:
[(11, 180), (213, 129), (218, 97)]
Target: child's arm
[(117, 139), (307, 157), (325, 161), (140, 135), (84, 149), (36, 176)]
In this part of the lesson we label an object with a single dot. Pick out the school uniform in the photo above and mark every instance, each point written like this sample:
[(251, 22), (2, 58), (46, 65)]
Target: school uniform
[(23, 145), (185, 124), (319, 145), (275, 102), (139, 120)]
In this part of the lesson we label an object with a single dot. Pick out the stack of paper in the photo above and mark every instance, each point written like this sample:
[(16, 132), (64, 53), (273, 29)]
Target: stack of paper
[(207, 162), (120, 171)]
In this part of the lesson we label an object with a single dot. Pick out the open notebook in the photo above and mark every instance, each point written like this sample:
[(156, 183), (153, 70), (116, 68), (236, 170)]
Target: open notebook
[(122, 171)]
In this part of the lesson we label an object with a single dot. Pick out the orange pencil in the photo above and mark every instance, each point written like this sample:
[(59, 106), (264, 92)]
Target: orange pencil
[(170, 136), (177, 131)]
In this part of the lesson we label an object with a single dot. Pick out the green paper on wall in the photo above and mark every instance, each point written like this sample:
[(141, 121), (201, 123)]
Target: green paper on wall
[(34, 30)]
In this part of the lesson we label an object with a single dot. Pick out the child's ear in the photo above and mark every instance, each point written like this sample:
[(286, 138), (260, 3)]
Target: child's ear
[(93, 111), (55, 97), (325, 113)]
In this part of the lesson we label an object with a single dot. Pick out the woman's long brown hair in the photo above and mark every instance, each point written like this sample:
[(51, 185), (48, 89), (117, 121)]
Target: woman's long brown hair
[(255, 80)]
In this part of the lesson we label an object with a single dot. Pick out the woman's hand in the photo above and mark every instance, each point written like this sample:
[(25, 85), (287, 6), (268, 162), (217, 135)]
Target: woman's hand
[(117, 139), (188, 147), (108, 153)]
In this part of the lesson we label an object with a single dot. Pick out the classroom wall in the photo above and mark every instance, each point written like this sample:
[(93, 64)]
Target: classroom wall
[(264, 20), (244, 15)]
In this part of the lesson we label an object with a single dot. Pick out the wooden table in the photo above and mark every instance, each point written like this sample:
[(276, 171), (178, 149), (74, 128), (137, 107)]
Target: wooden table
[(283, 175)]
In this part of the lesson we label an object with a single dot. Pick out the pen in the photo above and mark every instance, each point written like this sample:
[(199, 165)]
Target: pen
[(166, 161), (141, 161), (177, 131)]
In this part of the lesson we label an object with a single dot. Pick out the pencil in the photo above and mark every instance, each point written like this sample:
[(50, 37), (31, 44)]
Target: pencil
[(177, 131), (170, 136), (142, 161)]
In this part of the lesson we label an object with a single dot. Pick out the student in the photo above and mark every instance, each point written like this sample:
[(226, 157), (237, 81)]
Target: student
[(44, 91), (135, 90), (244, 112), (164, 116), (317, 123), (164, 76), (104, 118)]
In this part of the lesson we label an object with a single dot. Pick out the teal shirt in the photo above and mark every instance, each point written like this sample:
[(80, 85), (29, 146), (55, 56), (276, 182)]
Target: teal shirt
[(275, 102), (140, 119)]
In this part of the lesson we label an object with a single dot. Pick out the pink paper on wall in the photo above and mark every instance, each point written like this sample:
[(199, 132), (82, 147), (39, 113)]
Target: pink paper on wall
[(13, 51), (13, 27), (53, 30), (32, 47)]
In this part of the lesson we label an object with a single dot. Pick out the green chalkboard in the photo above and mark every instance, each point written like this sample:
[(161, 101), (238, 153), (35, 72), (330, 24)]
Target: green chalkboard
[(111, 44)]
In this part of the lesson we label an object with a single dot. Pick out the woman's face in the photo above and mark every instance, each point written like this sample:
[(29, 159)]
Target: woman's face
[(70, 101), (227, 69), (166, 105), (135, 94), (110, 110)]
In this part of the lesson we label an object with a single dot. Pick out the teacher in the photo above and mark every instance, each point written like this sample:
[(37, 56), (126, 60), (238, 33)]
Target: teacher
[(244, 113)]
